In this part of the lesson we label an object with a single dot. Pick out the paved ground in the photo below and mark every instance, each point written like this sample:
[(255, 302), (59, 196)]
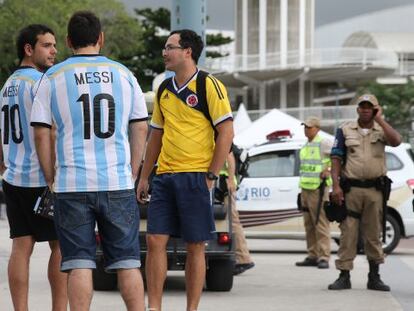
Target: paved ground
[(274, 284)]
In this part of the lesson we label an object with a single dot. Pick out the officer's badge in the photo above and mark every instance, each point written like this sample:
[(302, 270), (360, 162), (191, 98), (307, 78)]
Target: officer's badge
[(192, 100)]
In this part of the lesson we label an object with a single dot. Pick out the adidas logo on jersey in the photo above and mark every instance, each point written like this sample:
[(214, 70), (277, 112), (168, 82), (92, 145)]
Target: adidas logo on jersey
[(165, 96)]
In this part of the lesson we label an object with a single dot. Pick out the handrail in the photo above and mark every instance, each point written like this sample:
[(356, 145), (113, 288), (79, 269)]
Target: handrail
[(313, 58)]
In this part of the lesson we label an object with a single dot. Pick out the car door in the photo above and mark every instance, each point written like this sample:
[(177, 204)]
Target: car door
[(268, 193)]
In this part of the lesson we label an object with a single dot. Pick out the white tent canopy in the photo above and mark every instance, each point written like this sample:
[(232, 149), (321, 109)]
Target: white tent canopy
[(241, 120), (274, 120)]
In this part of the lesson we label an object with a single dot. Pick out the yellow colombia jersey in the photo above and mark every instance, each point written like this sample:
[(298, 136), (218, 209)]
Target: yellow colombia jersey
[(188, 138)]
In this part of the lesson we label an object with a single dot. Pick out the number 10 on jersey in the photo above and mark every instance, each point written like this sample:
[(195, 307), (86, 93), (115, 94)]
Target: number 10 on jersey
[(98, 114)]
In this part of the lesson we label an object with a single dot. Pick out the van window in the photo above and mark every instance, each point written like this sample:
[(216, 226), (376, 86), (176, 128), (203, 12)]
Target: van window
[(392, 162), (272, 164)]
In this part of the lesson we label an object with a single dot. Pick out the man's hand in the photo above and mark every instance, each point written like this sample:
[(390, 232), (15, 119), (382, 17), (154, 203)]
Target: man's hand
[(378, 115), (210, 184), (325, 174), (2, 168), (337, 195), (142, 191)]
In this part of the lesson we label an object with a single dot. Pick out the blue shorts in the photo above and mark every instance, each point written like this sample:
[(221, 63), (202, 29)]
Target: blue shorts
[(117, 216), (181, 206)]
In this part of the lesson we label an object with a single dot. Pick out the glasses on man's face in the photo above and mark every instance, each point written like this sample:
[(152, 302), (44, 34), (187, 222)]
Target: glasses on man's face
[(169, 48)]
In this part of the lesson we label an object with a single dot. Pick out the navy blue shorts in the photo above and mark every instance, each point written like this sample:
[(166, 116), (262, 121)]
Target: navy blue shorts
[(117, 216), (181, 206)]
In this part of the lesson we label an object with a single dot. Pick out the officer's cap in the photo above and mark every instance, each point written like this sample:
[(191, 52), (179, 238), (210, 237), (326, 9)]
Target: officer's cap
[(312, 122), (368, 98)]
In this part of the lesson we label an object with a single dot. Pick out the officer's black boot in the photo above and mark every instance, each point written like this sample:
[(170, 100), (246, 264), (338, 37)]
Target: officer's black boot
[(343, 282), (374, 281)]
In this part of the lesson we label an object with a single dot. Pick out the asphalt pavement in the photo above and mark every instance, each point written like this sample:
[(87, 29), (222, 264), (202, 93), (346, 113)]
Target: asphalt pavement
[(275, 283)]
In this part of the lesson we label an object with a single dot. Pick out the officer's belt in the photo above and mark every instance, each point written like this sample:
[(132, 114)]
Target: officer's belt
[(353, 214), (364, 183)]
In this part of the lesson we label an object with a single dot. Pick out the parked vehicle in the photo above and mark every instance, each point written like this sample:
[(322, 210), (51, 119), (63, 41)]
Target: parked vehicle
[(266, 198), (219, 253)]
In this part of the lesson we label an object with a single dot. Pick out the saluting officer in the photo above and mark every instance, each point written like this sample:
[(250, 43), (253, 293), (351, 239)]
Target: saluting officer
[(358, 168)]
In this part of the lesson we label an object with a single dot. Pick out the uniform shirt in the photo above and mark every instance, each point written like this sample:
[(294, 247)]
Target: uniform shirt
[(92, 100), (363, 152), (20, 158), (188, 138)]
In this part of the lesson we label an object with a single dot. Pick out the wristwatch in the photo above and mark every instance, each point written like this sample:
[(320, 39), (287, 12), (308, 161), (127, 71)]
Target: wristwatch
[(211, 176)]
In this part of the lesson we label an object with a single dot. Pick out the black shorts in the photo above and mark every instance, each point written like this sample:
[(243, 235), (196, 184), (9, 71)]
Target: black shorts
[(22, 219)]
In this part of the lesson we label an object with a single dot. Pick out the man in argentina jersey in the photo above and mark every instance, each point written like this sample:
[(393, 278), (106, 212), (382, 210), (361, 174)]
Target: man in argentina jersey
[(189, 159), (23, 180), (100, 116)]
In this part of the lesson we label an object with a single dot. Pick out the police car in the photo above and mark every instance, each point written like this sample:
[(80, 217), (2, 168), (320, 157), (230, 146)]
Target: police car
[(266, 198)]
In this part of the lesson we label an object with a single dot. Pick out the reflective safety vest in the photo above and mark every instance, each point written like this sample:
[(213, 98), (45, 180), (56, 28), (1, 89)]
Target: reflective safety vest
[(312, 163), (225, 172)]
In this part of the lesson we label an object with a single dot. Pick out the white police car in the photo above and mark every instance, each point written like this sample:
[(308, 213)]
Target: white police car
[(266, 198)]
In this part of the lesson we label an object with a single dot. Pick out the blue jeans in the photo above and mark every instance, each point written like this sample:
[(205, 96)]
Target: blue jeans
[(116, 214)]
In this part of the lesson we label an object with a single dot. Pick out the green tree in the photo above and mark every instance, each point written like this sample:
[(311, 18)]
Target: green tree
[(155, 26), (396, 101), (122, 32)]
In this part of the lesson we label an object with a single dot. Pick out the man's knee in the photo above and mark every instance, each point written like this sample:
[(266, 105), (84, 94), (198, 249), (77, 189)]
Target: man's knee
[(156, 242), (195, 248)]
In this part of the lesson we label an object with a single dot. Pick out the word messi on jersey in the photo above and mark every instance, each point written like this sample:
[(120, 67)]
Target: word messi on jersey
[(11, 91), (90, 77)]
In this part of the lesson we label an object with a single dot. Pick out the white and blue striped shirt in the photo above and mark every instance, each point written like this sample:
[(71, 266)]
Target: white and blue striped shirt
[(92, 100), (20, 158)]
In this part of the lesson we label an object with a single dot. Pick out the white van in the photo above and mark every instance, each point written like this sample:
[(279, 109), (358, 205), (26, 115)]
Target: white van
[(266, 198)]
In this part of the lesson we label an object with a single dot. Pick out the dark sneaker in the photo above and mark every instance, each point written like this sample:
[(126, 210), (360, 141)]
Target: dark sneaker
[(343, 282), (375, 283), (323, 264), (308, 262), (242, 267)]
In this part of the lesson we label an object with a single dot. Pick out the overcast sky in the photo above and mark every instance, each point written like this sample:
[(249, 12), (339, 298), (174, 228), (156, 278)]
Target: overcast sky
[(221, 12)]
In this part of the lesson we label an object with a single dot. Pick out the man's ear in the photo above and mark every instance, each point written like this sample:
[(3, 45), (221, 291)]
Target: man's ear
[(69, 43), (28, 49), (101, 40)]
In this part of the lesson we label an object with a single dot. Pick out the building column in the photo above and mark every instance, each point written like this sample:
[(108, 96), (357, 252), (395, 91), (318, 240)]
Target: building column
[(283, 32), (245, 39), (262, 33), (283, 94), (302, 32), (301, 97), (190, 14)]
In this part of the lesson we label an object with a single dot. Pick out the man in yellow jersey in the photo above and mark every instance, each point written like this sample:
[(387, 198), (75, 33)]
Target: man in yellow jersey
[(189, 158)]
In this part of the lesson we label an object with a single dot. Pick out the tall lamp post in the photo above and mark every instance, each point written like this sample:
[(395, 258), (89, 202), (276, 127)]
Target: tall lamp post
[(337, 91)]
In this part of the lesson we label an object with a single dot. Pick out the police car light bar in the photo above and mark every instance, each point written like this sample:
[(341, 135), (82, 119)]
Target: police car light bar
[(279, 135), (410, 183)]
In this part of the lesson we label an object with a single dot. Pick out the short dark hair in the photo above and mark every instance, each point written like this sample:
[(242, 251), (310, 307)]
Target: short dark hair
[(28, 35), (84, 29), (190, 39)]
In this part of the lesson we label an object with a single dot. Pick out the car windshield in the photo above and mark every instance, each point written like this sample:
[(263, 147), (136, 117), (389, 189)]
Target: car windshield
[(411, 153), (272, 164)]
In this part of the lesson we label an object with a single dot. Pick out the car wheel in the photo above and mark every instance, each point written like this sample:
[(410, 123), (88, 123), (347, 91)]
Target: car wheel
[(393, 235), (219, 275), (103, 280)]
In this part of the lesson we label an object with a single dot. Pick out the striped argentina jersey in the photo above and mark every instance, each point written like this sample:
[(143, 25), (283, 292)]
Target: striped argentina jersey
[(92, 100), (20, 158)]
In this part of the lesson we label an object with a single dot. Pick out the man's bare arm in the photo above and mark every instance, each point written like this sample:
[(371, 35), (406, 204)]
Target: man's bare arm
[(223, 145), (45, 151), (138, 135)]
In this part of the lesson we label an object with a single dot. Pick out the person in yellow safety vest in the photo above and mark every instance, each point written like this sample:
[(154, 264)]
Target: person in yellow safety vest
[(243, 259), (314, 170)]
